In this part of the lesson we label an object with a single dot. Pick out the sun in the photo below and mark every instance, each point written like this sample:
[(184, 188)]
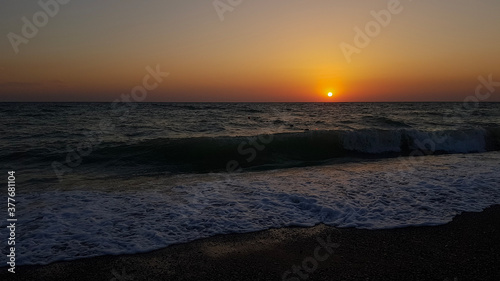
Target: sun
[(330, 94)]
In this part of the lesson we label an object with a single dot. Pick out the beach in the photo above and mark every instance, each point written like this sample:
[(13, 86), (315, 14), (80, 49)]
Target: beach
[(265, 140), (179, 194), (222, 140), (465, 249)]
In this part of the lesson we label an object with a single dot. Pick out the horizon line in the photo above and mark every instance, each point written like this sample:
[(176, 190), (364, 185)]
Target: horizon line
[(333, 102)]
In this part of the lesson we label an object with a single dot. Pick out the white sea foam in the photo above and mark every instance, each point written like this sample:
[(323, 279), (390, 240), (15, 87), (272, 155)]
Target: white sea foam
[(62, 225)]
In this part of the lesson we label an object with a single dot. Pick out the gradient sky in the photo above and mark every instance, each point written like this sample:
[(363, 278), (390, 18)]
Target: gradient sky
[(263, 50)]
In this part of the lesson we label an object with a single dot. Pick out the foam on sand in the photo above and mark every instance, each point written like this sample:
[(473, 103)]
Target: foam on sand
[(144, 214)]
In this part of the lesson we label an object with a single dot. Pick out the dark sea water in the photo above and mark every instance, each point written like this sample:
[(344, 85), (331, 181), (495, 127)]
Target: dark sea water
[(102, 178)]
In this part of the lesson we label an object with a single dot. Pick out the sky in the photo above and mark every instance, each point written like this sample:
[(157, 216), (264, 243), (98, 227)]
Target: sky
[(249, 51)]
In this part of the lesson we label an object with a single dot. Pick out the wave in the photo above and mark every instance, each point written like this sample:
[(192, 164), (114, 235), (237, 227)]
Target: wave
[(207, 154), (214, 154), (385, 122)]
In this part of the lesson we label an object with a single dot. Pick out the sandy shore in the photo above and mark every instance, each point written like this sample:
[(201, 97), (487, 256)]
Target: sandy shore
[(466, 249)]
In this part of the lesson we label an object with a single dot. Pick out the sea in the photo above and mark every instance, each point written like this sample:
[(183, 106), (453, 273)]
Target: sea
[(96, 179)]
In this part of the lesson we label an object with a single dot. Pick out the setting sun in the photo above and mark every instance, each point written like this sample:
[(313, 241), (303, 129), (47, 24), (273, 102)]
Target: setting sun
[(330, 94)]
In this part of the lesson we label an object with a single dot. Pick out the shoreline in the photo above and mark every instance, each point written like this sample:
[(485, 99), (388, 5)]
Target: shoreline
[(468, 248)]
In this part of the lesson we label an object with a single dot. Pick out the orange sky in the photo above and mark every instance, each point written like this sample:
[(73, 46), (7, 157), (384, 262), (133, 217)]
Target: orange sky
[(260, 51)]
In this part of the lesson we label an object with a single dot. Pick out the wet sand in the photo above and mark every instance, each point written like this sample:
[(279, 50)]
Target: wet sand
[(468, 248)]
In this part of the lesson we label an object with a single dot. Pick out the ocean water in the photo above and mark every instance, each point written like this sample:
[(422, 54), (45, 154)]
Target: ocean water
[(101, 178)]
